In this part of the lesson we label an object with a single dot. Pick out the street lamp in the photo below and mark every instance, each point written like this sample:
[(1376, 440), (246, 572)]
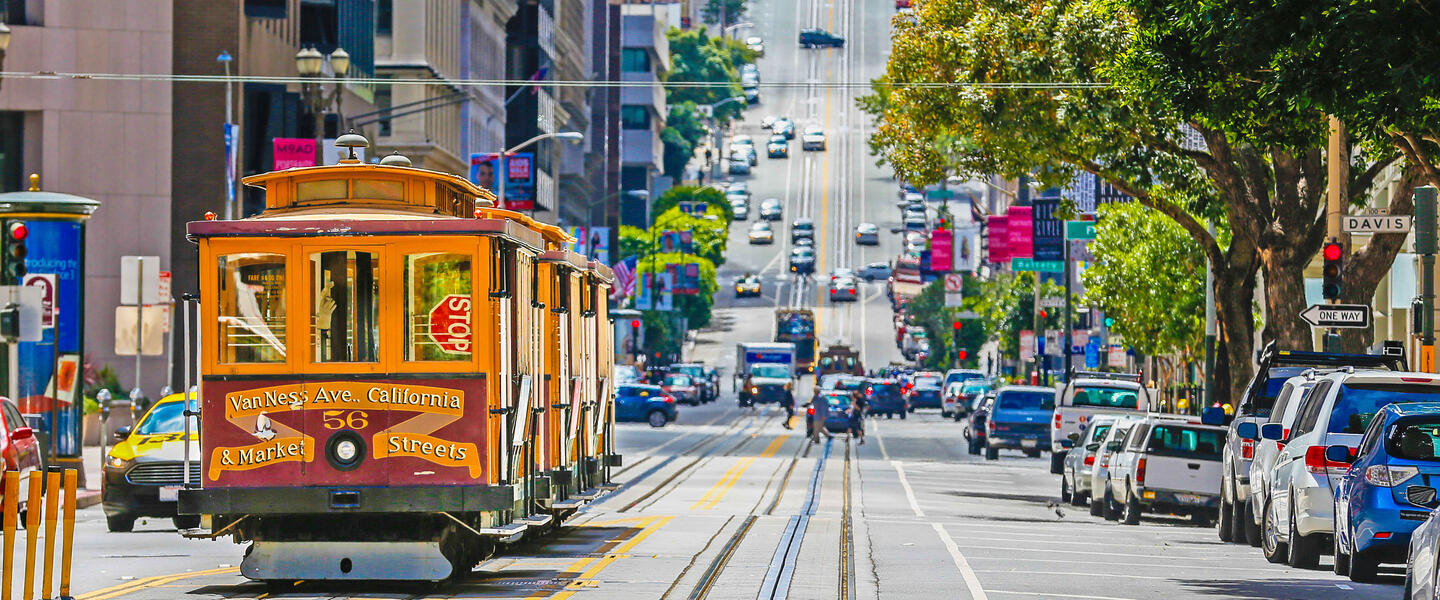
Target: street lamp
[(573, 137), (4, 45), (310, 63), (731, 28)]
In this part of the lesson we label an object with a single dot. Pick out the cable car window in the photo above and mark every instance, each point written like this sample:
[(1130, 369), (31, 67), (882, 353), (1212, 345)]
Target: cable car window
[(345, 311), (438, 307), (369, 189), (328, 189), (502, 262), (252, 308)]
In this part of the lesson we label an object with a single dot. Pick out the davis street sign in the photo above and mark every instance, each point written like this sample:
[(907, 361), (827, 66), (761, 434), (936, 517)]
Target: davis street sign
[(1079, 230), (1355, 316), (1376, 223)]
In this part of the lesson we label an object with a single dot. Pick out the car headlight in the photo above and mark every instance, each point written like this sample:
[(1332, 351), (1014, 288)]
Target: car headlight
[(116, 462), (754, 390)]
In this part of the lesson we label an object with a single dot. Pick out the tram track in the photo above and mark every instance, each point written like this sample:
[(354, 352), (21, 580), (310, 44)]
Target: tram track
[(710, 439), (687, 469)]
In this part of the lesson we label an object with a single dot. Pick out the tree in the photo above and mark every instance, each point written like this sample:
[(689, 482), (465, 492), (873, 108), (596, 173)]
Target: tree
[(929, 311), (1083, 108), (695, 308), (723, 12), (681, 135), (697, 58), (635, 241)]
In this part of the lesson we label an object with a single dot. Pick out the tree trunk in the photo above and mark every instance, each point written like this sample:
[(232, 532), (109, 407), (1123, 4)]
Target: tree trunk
[(1285, 297), (1234, 287)]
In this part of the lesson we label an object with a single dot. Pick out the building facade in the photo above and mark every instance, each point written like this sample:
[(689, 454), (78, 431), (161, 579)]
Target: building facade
[(644, 58)]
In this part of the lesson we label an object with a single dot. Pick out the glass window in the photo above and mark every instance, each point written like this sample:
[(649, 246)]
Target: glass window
[(330, 189), (1110, 397), (369, 189), (1414, 440), (1026, 400), (1358, 402), (634, 60), (634, 117), (438, 306), (1310, 410), (1186, 442), (252, 308), (345, 310), (168, 417)]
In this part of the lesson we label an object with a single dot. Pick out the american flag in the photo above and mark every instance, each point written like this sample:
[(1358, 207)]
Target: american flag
[(624, 277)]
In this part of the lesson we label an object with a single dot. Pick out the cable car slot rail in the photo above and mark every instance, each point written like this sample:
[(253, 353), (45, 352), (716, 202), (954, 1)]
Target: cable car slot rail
[(782, 565), (684, 469)]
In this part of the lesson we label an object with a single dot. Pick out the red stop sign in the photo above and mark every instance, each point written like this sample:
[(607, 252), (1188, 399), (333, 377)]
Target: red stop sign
[(450, 324)]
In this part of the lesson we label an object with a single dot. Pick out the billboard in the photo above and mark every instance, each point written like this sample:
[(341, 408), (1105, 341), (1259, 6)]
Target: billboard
[(997, 228), (293, 152), (519, 183), (1021, 242)]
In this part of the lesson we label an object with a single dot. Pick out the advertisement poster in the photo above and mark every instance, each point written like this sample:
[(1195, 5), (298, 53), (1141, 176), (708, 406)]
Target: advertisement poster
[(694, 208), (1027, 345), (643, 292), (940, 250), (964, 247), (998, 232), (1020, 232), (665, 292), (677, 241), (600, 244), (54, 248), (519, 185), (294, 152)]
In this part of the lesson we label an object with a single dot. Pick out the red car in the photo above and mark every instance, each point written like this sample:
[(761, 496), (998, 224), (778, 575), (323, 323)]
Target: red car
[(899, 4), (19, 450), (682, 387)]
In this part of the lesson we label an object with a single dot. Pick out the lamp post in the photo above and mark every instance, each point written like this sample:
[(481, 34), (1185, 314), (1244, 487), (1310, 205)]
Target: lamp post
[(573, 137), (731, 28), (311, 63), (4, 46), (715, 125)]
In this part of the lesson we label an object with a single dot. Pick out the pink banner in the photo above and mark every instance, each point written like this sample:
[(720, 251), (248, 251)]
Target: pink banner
[(941, 250), (294, 152), (1022, 231), (997, 230)]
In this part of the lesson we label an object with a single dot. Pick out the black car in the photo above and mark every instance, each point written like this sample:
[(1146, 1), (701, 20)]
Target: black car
[(802, 260), (810, 38)]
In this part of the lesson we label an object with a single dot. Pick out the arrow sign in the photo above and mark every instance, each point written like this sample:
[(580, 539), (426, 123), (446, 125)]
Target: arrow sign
[(1354, 316)]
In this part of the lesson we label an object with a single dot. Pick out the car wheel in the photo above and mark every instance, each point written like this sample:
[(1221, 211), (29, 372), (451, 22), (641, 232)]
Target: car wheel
[(1363, 566), (992, 453), (656, 418), (1342, 559), (1304, 549), (1132, 509), (1270, 544), (1237, 522), (902, 414), (1097, 506), (1065, 495), (185, 521), (120, 523), (1057, 463), (1032, 453), (1252, 529), (1112, 510), (959, 417), (1227, 514)]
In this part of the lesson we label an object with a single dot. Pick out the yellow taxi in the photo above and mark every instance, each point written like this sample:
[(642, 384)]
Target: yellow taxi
[(145, 469)]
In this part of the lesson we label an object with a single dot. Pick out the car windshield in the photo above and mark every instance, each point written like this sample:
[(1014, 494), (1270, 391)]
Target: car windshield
[(849, 383), (1412, 439), (803, 225), (1186, 442), (770, 371), (1110, 397), (797, 326), (166, 418), (1017, 400), (677, 379), (927, 381), (761, 226), (1358, 402), (691, 370)]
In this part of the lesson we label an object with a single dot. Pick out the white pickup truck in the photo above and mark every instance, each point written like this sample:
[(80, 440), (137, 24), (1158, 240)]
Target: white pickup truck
[(1171, 465), (1085, 395)]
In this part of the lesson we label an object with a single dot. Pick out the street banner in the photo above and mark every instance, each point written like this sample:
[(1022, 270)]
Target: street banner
[(581, 244), (941, 242), (692, 279), (1047, 231), (664, 292), (231, 134), (600, 244), (1027, 345), (293, 152), (997, 228), (1021, 232), (644, 298), (520, 184), (964, 248)]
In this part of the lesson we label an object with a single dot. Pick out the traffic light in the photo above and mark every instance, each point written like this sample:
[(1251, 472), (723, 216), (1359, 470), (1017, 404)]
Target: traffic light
[(1109, 322), (634, 335), (1044, 313), (957, 325), (15, 252), (1334, 253), (962, 354)]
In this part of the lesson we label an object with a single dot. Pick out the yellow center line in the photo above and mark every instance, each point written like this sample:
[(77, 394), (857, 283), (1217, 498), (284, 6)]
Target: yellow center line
[(716, 491), (150, 582), (652, 525)]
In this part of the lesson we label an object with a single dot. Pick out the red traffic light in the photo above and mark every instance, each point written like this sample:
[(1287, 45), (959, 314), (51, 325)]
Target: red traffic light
[(962, 354), (1044, 313), (19, 231), (957, 325), (1333, 251), (635, 324)]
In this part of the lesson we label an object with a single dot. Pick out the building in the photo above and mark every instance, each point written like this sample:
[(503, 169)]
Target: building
[(644, 57), (106, 140)]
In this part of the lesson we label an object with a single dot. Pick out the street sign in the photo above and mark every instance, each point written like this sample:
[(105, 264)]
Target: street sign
[(967, 314), (1079, 230), (954, 300), (1041, 266), (1376, 223), (1052, 302), (1048, 230), (954, 282), (450, 324), (139, 280), (46, 284), (1354, 316), (1117, 357), (940, 194)]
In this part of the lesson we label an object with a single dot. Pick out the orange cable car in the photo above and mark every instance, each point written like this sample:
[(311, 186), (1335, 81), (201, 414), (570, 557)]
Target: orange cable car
[(384, 392)]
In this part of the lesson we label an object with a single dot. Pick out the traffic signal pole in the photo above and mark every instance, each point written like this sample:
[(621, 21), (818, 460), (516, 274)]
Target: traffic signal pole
[(1425, 244), (1336, 197)]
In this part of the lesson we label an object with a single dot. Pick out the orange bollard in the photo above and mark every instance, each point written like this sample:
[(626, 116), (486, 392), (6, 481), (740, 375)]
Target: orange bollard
[(12, 506), (67, 546), (32, 531), (52, 501)]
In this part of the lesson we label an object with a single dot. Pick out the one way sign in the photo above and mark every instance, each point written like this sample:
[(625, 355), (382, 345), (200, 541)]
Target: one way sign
[(1355, 316)]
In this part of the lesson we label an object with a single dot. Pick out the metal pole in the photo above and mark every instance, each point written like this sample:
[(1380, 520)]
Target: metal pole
[(1069, 325), (502, 172), (1210, 329), (185, 393), (234, 142), (1425, 246), (139, 322), (1337, 193)]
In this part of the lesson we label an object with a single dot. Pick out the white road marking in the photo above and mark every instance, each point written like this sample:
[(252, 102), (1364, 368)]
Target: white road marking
[(875, 429), (1343, 586), (971, 581), (909, 491)]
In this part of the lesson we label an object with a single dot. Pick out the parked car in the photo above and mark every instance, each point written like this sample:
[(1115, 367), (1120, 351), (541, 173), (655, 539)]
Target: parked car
[(1265, 443), (1387, 491), (1085, 395), (739, 163), (682, 387), (875, 270), (802, 260), (886, 398), (644, 403), (740, 210), (1019, 420), (867, 234), (963, 376), (1075, 477), (1101, 503), (756, 44), (813, 138), (1298, 517), (844, 289), (626, 374), (952, 403), (1239, 517), (1421, 581), (784, 126), (970, 393), (802, 228), (915, 222), (20, 452), (777, 147), (707, 385), (771, 209), (752, 95), (975, 426), (145, 468), (812, 38), (760, 233), (1170, 464)]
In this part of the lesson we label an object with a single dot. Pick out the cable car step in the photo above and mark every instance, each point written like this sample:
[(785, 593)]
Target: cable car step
[(567, 504), (506, 533), (537, 520), (406, 561), (590, 494)]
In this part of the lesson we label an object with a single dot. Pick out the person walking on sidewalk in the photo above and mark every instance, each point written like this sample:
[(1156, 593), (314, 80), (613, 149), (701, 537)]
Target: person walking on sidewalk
[(858, 406), (821, 406), (788, 403)]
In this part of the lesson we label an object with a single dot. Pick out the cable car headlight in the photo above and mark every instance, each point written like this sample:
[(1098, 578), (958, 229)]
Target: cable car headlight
[(345, 450)]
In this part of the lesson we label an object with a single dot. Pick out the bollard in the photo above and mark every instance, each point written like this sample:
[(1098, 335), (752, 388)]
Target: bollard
[(67, 546), (32, 532), (12, 506), (52, 500)]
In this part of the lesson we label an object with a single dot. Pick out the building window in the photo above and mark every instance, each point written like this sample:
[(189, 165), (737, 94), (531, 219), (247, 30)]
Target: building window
[(266, 9), (634, 116), (12, 138), (634, 60), (384, 17)]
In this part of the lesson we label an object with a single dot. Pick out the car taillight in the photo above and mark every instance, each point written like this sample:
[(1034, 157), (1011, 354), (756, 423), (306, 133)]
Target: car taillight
[(852, 291), (994, 427), (1140, 473), (668, 398), (1057, 420), (810, 411), (1090, 460), (1316, 464), (1389, 476), (1247, 449)]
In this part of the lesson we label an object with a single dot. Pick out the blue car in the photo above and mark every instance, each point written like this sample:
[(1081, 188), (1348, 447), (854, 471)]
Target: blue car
[(885, 397), (1020, 420), (644, 403), (1389, 489), (837, 421)]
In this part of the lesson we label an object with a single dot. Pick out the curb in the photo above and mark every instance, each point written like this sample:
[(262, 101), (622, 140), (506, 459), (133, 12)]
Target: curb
[(86, 498)]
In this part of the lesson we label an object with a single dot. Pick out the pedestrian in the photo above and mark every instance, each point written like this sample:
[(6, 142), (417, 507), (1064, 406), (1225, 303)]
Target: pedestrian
[(788, 403), (821, 406), (858, 406)]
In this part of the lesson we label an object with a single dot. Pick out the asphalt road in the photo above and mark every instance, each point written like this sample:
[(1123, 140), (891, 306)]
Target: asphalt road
[(726, 503)]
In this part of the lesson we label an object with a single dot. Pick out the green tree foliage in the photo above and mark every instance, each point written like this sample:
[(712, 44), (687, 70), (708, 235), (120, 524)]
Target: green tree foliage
[(695, 57), (731, 11), (635, 241), (681, 135), (695, 308), (1150, 277), (709, 236), (928, 311), (693, 193)]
